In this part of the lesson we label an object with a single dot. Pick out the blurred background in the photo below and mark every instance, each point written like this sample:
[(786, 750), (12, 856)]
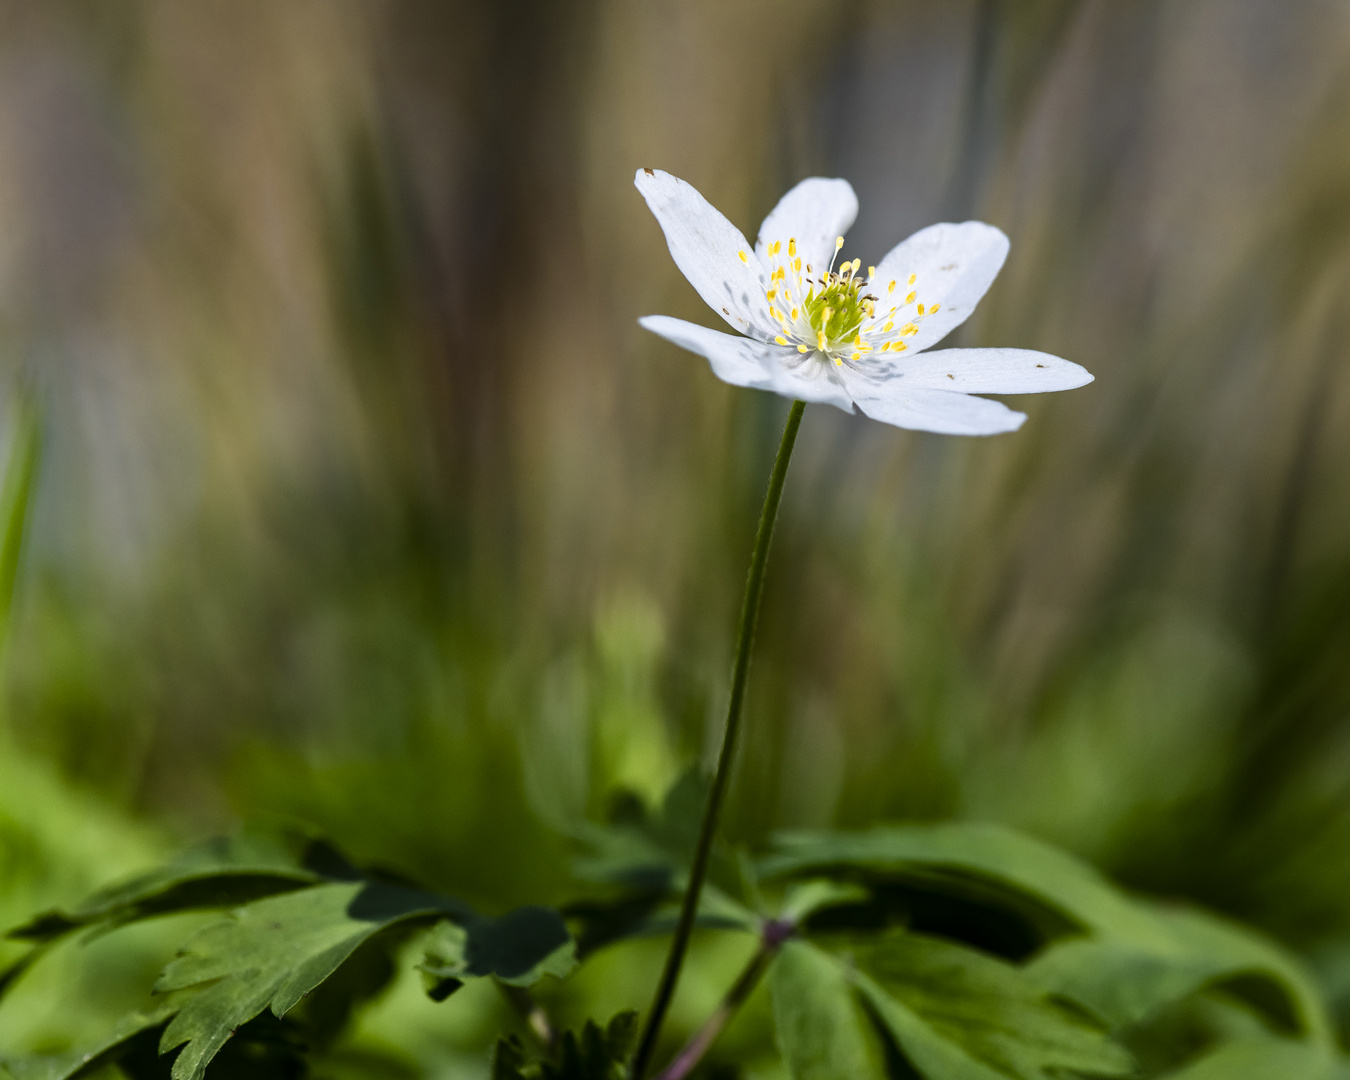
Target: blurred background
[(362, 500)]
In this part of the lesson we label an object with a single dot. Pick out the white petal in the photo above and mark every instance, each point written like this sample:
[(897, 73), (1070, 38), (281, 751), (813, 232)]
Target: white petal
[(978, 371), (942, 411), (814, 213), (708, 248), (743, 362), (953, 267)]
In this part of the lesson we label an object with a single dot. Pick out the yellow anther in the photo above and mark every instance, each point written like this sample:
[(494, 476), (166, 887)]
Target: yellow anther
[(781, 339), (889, 326), (871, 271), (744, 259), (891, 287), (792, 247), (802, 348), (794, 313), (838, 362), (899, 346), (838, 242), (798, 264), (920, 309), (912, 278), (773, 313), (820, 339), (910, 298), (857, 339), (856, 264), (885, 346), (933, 310), (864, 348), (829, 314), (909, 329), (856, 356), (771, 294)]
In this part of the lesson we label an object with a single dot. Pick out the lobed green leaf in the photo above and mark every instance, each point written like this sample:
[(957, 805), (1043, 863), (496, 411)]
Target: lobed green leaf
[(273, 952), (518, 949), (947, 1013)]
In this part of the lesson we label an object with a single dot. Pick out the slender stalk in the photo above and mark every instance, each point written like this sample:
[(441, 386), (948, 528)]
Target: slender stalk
[(754, 589), (775, 934), (533, 1014)]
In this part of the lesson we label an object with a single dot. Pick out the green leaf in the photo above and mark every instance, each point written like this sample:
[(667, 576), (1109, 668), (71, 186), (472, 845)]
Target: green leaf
[(518, 949), (271, 953), (981, 862), (1125, 981), (958, 1014), (802, 899), (647, 853), (822, 1030), (1260, 1059), (222, 872), (644, 849), (595, 1054)]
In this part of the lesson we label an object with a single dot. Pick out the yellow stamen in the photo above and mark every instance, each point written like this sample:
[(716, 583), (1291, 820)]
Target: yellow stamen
[(910, 298), (933, 310), (871, 271), (909, 329), (912, 279), (797, 265), (792, 247), (920, 309), (781, 339), (802, 348), (899, 346), (889, 326), (771, 294), (820, 339), (838, 242), (794, 314), (743, 257), (856, 356), (891, 287)]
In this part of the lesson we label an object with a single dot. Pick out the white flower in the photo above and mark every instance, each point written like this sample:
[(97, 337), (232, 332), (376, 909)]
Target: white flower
[(820, 332)]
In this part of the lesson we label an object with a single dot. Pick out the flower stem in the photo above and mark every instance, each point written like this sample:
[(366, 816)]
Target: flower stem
[(754, 589), (775, 934)]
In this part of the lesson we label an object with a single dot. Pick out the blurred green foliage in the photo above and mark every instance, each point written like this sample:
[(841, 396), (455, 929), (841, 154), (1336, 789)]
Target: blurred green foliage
[(362, 500)]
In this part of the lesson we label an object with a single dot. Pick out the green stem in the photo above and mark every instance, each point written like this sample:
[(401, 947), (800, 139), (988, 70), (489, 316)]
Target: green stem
[(754, 589)]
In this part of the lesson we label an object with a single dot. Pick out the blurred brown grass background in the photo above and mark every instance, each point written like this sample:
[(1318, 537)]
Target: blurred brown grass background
[(364, 499)]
